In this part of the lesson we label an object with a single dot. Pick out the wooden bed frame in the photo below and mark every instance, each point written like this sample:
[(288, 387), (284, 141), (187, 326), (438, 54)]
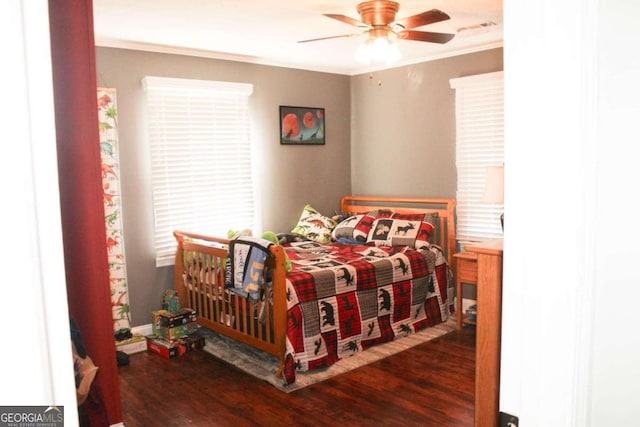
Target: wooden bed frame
[(199, 276)]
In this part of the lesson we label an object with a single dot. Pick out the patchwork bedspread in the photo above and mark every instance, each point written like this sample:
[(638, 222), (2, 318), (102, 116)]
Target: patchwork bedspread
[(344, 298)]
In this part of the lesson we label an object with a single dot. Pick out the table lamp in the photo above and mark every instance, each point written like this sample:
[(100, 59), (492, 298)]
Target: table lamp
[(494, 188)]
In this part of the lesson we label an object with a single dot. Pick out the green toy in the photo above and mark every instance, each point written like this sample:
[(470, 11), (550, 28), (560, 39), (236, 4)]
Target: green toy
[(171, 301), (233, 234), (272, 237)]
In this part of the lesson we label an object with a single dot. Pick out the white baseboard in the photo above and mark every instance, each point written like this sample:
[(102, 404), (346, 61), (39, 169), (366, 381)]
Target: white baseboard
[(117, 425)]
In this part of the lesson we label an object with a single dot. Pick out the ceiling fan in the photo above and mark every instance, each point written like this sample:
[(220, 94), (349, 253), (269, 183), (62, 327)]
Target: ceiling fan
[(378, 18)]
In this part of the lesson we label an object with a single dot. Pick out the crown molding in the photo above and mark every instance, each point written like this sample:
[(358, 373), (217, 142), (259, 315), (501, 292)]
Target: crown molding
[(226, 56)]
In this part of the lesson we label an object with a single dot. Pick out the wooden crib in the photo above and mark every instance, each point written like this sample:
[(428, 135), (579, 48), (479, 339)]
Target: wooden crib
[(200, 276)]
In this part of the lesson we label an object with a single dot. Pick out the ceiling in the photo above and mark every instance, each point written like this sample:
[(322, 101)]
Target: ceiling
[(267, 31)]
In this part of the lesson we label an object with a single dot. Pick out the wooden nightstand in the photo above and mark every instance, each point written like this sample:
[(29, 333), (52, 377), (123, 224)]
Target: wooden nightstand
[(467, 273), (488, 330)]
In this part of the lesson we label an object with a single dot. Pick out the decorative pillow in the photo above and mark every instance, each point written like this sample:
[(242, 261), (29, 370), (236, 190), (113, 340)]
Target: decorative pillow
[(314, 226), (413, 230), (357, 227)]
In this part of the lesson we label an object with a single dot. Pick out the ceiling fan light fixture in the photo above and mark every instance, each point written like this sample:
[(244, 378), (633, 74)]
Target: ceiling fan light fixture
[(381, 50), (378, 18)]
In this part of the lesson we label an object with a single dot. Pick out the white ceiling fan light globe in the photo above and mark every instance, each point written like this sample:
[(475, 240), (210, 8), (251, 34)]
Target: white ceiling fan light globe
[(380, 47), (385, 51), (364, 53), (393, 53)]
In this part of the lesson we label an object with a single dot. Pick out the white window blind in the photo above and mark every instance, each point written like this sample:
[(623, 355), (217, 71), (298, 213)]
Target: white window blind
[(479, 145), (201, 170)]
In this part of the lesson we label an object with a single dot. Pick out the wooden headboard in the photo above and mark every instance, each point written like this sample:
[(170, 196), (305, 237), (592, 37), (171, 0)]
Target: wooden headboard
[(445, 208)]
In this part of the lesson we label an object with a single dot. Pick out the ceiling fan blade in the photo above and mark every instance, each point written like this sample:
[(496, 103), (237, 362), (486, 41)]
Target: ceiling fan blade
[(425, 36), (347, 20), (429, 17), (327, 38)]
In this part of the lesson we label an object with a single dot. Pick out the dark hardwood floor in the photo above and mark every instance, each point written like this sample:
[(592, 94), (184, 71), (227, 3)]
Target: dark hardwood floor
[(428, 385)]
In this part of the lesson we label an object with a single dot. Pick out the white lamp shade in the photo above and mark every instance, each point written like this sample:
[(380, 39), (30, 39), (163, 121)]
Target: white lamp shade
[(494, 185)]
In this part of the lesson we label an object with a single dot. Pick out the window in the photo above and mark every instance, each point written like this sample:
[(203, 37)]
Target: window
[(201, 169), (479, 145)]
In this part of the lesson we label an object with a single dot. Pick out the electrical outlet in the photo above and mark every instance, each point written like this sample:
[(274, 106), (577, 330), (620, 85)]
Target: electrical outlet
[(508, 420)]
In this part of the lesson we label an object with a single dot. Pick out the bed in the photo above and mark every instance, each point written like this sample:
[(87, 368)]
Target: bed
[(365, 285)]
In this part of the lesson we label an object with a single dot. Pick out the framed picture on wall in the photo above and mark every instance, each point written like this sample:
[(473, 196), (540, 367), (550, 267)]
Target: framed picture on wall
[(302, 125)]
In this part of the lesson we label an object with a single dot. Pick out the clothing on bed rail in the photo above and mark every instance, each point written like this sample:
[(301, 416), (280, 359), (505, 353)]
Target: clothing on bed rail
[(245, 266)]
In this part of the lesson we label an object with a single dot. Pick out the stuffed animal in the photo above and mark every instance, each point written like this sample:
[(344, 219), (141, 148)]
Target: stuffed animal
[(233, 234)]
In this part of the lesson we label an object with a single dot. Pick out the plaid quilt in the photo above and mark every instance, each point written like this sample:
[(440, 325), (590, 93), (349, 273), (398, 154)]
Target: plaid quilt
[(343, 299)]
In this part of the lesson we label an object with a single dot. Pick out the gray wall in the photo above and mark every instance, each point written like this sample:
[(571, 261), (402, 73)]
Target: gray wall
[(396, 138), (403, 129), (290, 177)]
